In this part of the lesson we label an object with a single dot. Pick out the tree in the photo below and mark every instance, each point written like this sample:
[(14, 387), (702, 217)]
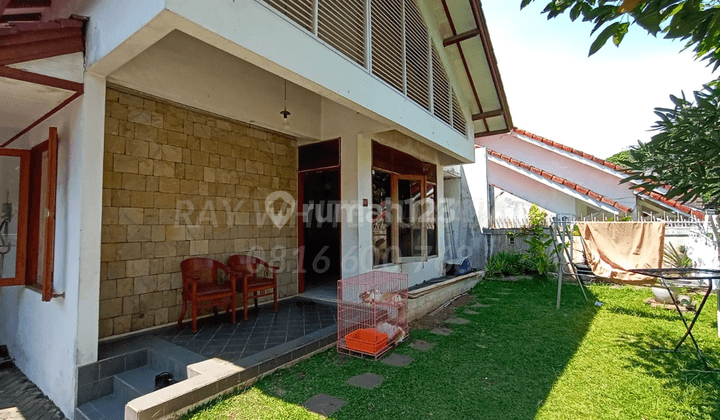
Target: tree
[(684, 154)]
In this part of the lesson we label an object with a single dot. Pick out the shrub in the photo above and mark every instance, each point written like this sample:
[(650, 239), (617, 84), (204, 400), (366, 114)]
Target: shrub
[(509, 264), (676, 258)]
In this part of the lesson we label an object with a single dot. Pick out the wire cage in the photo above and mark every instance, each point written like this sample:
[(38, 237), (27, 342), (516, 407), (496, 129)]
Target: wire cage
[(372, 313)]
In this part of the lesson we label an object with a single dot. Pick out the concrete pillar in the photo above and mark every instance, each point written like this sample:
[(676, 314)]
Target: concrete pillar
[(355, 186), (84, 218)]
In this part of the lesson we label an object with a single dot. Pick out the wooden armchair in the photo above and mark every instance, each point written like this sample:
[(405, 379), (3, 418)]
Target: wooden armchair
[(200, 283), (249, 281)]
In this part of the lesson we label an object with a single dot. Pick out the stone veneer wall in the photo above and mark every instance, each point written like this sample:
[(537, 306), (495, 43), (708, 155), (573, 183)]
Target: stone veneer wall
[(159, 157)]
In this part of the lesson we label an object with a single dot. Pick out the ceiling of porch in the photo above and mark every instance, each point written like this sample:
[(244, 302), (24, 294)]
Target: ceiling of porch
[(466, 41), (183, 69)]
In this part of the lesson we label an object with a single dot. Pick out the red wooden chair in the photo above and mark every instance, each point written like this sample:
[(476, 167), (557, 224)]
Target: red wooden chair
[(200, 283), (249, 280)]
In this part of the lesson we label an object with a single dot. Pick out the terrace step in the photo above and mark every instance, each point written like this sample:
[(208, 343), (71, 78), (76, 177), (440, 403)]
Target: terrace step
[(162, 356), (135, 383)]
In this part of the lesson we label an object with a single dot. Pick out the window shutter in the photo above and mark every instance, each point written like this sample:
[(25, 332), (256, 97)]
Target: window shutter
[(417, 51), (341, 23)]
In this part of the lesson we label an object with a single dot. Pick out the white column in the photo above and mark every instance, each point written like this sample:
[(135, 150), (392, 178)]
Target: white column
[(364, 180), (84, 218), (355, 186)]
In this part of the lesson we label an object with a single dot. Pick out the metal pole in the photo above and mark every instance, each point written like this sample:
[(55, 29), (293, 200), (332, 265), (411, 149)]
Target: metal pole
[(562, 243)]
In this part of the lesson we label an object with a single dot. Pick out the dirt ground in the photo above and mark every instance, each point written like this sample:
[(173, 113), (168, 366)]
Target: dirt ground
[(436, 320)]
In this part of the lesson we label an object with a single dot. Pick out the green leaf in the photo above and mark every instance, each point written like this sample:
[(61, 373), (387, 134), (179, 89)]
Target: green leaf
[(620, 33), (603, 37), (575, 11)]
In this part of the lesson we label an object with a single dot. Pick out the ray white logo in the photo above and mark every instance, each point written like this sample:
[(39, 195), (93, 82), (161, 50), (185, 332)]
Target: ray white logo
[(286, 211)]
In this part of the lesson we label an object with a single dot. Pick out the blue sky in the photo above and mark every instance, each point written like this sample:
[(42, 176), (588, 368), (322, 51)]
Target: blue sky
[(600, 104)]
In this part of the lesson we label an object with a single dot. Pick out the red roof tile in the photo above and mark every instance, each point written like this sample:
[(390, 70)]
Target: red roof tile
[(659, 197), (568, 149), (560, 180)]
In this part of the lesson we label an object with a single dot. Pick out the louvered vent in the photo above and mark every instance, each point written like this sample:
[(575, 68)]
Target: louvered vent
[(441, 89), (417, 55), (387, 48), (300, 11), (341, 23), (458, 117)]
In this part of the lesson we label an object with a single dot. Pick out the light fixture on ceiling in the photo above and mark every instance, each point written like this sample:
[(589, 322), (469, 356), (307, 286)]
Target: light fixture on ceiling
[(285, 113)]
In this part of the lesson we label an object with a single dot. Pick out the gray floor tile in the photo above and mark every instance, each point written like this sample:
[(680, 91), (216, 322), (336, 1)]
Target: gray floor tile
[(366, 380), (398, 360), (324, 404), (441, 331), (422, 345)]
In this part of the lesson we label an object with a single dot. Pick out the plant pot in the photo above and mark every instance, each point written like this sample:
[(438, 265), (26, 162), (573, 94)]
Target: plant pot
[(661, 294)]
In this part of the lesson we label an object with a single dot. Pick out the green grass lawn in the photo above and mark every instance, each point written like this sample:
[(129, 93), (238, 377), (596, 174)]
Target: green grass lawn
[(517, 359)]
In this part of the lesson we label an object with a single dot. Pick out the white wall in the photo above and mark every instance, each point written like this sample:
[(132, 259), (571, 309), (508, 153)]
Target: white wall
[(253, 32), (563, 164), (539, 193), (49, 339), (512, 208), (186, 70)]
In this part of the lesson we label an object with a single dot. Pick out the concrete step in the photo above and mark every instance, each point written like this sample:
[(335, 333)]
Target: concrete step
[(162, 356), (135, 383), (109, 407)]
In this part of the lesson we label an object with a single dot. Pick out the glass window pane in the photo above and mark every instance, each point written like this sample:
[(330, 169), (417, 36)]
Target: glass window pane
[(410, 206), (382, 218), (431, 219), (9, 197)]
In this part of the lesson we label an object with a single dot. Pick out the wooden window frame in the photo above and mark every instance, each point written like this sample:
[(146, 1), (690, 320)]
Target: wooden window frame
[(22, 215), (29, 216), (435, 210), (395, 222), (396, 178)]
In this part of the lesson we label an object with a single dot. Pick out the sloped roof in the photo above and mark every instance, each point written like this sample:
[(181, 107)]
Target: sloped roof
[(31, 89), (466, 41), (652, 194), (560, 180), (25, 41)]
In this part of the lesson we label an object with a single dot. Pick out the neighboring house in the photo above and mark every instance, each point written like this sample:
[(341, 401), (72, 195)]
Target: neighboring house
[(564, 180), (514, 170), (177, 119)]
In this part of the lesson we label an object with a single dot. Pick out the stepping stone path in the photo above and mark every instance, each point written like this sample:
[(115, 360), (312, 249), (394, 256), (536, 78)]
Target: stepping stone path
[(471, 312), (397, 360), (422, 345), (366, 380), (457, 321), (324, 404), (441, 331)]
